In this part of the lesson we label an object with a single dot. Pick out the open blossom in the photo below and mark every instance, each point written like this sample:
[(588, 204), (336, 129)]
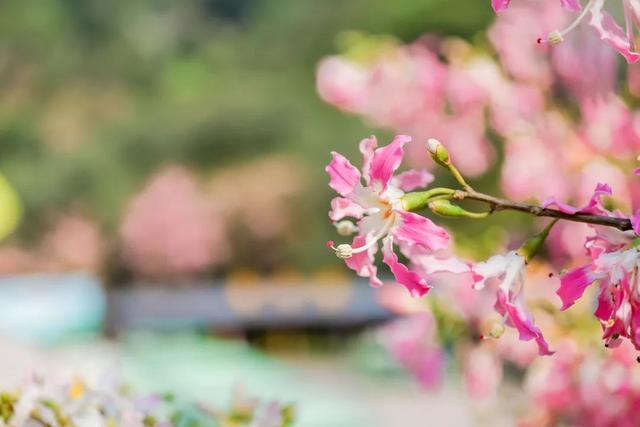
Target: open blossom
[(622, 40), (377, 206), (509, 270), (614, 265)]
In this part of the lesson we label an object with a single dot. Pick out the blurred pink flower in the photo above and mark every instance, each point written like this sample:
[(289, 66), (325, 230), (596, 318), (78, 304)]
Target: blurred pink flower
[(169, 227), (411, 341)]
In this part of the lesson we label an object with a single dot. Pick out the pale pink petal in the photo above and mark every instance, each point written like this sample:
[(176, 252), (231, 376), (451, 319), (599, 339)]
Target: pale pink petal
[(343, 175), (573, 285), (367, 147), (493, 267), (417, 230), (573, 5), (362, 263), (520, 319), (611, 32), (500, 5), (416, 285), (342, 207), (412, 179), (562, 207), (386, 160)]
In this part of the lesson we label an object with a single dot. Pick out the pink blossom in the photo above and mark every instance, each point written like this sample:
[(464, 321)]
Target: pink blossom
[(169, 228), (500, 5), (508, 270), (377, 206), (411, 341)]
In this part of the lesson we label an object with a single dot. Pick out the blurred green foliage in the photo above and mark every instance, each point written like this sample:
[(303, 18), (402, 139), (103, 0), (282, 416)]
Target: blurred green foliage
[(96, 95)]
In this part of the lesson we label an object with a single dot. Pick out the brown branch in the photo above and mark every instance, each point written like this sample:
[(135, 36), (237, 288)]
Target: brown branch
[(497, 204)]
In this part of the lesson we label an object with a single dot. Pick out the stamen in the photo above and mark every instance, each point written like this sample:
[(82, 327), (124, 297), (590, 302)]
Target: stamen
[(557, 36), (345, 251)]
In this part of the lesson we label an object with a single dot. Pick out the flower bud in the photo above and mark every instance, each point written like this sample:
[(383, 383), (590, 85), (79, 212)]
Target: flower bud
[(438, 152), (444, 207), (344, 251), (346, 228)]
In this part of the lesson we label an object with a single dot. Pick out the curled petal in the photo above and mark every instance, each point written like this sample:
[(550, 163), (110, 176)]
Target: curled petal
[(493, 267), (343, 175), (573, 285), (500, 5), (416, 285), (595, 203), (520, 319), (417, 230), (573, 5), (362, 263), (412, 179), (367, 147), (342, 207), (611, 32), (386, 160), (562, 207)]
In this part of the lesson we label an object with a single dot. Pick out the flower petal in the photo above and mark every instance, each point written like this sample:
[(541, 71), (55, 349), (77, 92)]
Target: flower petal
[(367, 147), (386, 160), (412, 179), (635, 222), (595, 203), (500, 5), (522, 320), (611, 32), (344, 177), (573, 285), (562, 207), (362, 263), (573, 5), (416, 285), (415, 229), (342, 207)]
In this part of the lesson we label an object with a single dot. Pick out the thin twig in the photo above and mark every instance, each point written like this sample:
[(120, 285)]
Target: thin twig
[(498, 204)]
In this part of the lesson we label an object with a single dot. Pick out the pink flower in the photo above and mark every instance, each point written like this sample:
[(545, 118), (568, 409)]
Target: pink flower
[(377, 206), (411, 341), (622, 40), (509, 270), (619, 299)]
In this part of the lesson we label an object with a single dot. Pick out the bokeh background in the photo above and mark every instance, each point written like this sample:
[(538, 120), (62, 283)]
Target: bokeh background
[(167, 162)]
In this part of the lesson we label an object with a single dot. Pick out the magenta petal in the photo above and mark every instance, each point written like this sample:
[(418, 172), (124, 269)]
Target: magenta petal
[(367, 147), (520, 319), (412, 179), (636, 171), (573, 285), (635, 222), (416, 285), (562, 207), (499, 5), (611, 32), (573, 5), (342, 207), (415, 229), (362, 263), (343, 175), (595, 203), (386, 160)]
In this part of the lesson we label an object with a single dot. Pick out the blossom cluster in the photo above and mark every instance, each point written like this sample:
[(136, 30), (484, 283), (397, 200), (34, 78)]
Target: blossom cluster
[(64, 402)]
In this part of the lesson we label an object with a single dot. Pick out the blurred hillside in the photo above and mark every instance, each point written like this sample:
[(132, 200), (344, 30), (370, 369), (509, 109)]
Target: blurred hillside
[(135, 130)]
